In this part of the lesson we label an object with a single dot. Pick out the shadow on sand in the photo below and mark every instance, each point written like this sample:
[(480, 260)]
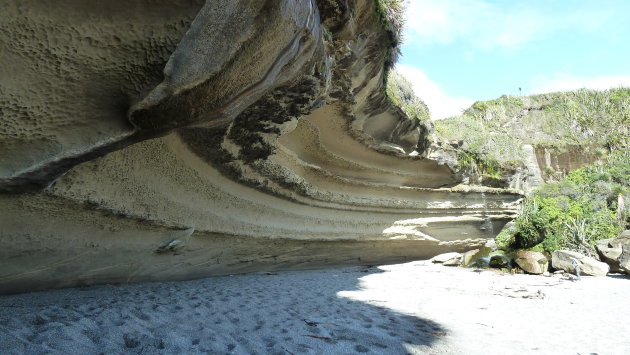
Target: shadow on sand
[(296, 312)]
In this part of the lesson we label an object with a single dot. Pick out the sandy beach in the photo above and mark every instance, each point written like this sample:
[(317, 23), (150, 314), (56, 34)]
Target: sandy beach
[(415, 308)]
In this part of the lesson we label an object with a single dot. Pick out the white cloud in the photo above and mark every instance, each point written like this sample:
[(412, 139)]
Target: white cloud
[(565, 82), (486, 24), (440, 104)]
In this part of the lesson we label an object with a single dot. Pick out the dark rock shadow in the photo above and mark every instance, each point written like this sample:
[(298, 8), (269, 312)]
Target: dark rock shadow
[(298, 312)]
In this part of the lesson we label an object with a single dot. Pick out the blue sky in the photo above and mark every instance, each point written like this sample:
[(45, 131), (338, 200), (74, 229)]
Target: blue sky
[(460, 51)]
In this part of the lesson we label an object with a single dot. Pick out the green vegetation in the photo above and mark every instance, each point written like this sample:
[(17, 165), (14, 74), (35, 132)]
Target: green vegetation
[(587, 205), (494, 131), (486, 166), (401, 94), (489, 150), (328, 35), (576, 212), (391, 18)]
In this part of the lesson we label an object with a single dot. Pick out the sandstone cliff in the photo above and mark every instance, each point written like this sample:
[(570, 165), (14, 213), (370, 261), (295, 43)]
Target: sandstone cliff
[(157, 140)]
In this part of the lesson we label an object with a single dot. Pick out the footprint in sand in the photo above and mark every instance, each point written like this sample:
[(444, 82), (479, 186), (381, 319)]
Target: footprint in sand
[(39, 320), (131, 340), (361, 349)]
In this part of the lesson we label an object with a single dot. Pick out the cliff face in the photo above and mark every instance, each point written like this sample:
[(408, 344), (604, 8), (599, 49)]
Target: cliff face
[(156, 140)]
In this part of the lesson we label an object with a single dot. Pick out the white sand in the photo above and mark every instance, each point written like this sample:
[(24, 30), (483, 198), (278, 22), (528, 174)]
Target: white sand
[(408, 308)]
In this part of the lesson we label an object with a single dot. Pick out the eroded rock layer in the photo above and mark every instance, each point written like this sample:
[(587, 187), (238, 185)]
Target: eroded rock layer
[(155, 140)]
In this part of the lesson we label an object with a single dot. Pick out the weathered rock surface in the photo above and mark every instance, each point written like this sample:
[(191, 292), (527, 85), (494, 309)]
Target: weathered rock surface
[(162, 140), (624, 257), (609, 252), (560, 163), (531, 261), (70, 71), (561, 259)]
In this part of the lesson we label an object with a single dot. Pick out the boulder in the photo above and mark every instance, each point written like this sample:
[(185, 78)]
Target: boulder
[(448, 259), (499, 261), (624, 258), (561, 259), (468, 256), (610, 251), (532, 262), (477, 257), (453, 262)]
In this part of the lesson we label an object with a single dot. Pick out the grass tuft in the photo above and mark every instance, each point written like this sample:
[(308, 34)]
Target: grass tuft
[(391, 18)]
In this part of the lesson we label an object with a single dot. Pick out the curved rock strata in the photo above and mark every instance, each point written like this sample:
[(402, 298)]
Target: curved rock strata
[(157, 140)]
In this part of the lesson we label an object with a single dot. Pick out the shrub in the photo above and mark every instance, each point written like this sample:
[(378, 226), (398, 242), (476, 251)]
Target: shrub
[(505, 239), (574, 213)]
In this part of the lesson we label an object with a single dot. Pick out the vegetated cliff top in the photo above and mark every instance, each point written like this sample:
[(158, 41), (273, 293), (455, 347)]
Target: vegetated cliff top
[(584, 207), (402, 95), (497, 129)]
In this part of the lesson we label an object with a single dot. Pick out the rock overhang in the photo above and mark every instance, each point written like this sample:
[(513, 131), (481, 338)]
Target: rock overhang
[(266, 136)]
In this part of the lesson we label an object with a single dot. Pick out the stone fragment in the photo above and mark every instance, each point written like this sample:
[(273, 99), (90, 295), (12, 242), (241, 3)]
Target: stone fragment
[(561, 259), (448, 259), (532, 262)]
